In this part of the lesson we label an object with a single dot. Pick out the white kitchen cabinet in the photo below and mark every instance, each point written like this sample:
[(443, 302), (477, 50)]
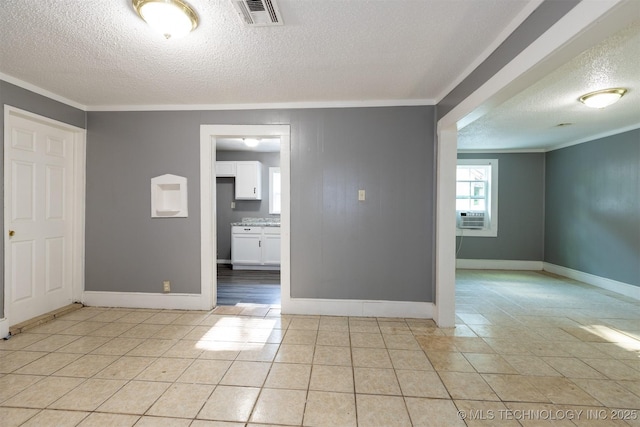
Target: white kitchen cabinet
[(255, 248), (225, 169), (246, 247), (248, 180), (271, 245)]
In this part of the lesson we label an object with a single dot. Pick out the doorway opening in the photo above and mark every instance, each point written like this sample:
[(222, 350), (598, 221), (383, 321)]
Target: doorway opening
[(248, 207), (209, 135)]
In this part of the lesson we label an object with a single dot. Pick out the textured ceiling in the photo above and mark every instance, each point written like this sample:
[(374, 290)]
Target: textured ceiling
[(531, 118), (265, 145), (99, 53)]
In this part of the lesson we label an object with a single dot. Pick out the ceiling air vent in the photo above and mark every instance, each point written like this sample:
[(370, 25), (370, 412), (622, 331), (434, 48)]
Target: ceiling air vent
[(258, 12)]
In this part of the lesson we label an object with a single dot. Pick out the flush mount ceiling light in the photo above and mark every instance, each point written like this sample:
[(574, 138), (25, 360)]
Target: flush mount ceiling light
[(602, 98), (251, 142), (171, 18)]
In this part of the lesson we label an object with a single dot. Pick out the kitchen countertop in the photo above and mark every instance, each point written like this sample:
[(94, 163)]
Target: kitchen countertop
[(257, 222)]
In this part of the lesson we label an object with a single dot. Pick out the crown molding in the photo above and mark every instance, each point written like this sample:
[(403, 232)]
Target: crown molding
[(35, 89), (594, 137), (267, 106), (502, 151), (220, 107)]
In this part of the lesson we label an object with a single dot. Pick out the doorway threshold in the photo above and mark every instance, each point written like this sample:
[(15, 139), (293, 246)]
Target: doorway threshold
[(246, 309), (43, 318)]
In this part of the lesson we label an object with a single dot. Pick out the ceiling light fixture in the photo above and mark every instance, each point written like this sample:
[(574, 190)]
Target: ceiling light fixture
[(171, 18), (251, 142), (602, 98)]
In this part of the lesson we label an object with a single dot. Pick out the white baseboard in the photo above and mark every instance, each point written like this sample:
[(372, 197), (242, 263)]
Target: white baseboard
[(309, 306), (4, 328), (498, 264), (223, 261), (358, 308), (145, 300), (598, 281)]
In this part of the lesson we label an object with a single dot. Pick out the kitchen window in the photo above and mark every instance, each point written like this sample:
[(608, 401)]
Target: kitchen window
[(477, 197), (275, 191)]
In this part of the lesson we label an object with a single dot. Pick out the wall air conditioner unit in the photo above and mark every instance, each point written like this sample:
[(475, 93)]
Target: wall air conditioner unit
[(258, 12), (471, 220)]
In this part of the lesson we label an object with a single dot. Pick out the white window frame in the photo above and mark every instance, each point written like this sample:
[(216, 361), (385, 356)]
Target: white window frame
[(272, 193), (491, 228)]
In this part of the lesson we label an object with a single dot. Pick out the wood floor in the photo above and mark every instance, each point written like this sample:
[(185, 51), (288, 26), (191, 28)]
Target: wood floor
[(247, 286)]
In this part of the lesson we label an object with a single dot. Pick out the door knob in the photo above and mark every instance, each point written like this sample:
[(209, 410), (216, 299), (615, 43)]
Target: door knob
[(11, 233)]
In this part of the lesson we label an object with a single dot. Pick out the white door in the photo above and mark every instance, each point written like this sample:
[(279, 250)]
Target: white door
[(39, 180)]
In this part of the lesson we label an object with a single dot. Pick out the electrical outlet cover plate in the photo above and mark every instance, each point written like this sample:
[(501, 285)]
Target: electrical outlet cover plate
[(166, 286)]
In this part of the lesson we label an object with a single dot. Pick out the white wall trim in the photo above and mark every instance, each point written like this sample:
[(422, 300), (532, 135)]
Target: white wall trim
[(361, 308), (594, 137), (40, 91), (503, 151), (4, 328), (208, 271), (143, 300), (598, 281), (269, 106), (79, 211), (498, 264), (407, 102), (445, 245)]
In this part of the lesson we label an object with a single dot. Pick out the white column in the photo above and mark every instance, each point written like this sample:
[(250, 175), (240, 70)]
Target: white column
[(445, 315)]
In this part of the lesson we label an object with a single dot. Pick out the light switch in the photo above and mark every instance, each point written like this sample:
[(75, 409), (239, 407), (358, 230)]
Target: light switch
[(233, 205), (361, 195)]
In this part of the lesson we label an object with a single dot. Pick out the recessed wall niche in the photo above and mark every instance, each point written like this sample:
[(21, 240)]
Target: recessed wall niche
[(169, 196)]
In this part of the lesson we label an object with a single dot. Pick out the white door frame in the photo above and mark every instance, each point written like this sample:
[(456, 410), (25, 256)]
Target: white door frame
[(208, 220), (78, 199)]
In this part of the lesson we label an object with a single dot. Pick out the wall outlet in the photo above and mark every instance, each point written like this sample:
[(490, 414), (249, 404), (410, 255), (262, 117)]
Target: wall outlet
[(233, 205), (166, 286), (361, 195)]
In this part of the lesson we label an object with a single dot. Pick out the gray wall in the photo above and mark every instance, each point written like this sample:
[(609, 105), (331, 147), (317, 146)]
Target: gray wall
[(380, 249), (329, 161), (26, 100), (593, 207), (225, 194), (520, 210)]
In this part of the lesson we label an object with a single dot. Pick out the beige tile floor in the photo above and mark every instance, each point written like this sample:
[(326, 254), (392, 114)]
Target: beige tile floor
[(529, 350)]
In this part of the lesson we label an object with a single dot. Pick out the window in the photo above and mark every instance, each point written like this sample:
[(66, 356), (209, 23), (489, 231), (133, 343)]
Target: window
[(477, 197), (275, 193)]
